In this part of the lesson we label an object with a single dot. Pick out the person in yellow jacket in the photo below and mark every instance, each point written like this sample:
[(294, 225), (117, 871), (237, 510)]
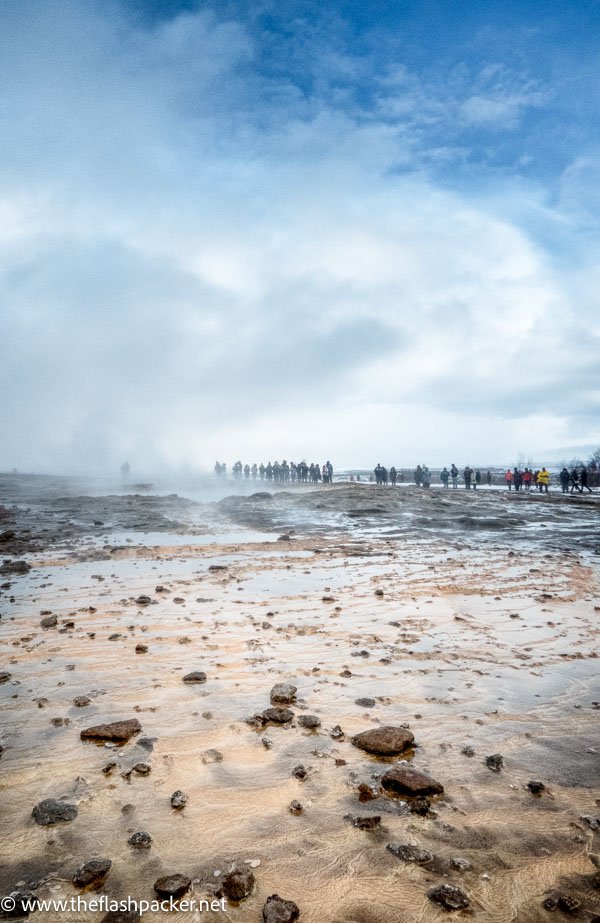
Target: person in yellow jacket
[(543, 480)]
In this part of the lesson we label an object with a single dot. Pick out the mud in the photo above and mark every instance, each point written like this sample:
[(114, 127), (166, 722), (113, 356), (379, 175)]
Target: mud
[(485, 637)]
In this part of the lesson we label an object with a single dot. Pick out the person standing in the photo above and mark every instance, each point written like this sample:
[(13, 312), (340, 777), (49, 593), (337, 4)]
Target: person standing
[(444, 476), (454, 476), (544, 480), (488, 478), (565, 477), (583, 480), (508, 477), (467, 473), (477, 479)]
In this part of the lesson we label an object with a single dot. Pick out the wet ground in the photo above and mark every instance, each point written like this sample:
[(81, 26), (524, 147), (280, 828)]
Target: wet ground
[(473, 619)]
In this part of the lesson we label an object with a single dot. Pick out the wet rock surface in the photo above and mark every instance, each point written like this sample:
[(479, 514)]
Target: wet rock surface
[(404, 780), (384, 741), (51, 811), (117, 731), (174, 886), (91, 872)]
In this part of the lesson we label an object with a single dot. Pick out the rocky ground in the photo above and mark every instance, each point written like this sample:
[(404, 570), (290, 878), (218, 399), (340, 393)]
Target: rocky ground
[(382, 706)]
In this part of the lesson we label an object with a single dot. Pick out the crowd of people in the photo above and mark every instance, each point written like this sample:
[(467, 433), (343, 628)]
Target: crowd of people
[(276, 473)]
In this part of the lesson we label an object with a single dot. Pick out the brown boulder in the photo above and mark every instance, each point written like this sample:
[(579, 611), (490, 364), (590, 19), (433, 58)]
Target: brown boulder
[(404, 780), (118, 731), (384, 741)]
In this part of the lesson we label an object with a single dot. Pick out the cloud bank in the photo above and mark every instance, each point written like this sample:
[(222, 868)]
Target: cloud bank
[(236, 234)]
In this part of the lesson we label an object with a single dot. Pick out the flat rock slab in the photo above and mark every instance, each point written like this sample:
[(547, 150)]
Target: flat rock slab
[(172, 886), (283, 694), (278, 715), (277, 910), (311, 722), (91, 872), (448, 896), (384, 741), (50, 811), (409, 853), (118, 731), (404, 780), (197, 676)]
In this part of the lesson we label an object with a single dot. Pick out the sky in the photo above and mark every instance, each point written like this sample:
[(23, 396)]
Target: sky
[(364, 231)]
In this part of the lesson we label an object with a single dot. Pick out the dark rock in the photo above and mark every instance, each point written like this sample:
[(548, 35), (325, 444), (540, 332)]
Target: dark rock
[(378, 592), (238, 883), (450, 897), (141, 648), (49, 621), (460, 864), (121, 916), (495, 762), (404, 780), (4, 677), (197, 676), (91, 872), (309, 721), (143, 600), (15, 567), (276, 910), (172, 886), (384, 741), (140, 840), (142, 769), (299, 772), (365, 702), (409, 853), (366, 792), (568, 904), (146, 743), (13, 905), (178, 800), (421, 807), (80, 701), (277, 715), (364, 822), (336, 733), (468, 751), (283, 694), (295, 807), (50, 811), (536, 788), (118, 731)]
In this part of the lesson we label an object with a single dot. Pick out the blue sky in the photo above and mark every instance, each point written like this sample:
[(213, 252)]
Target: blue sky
[(346, 229)]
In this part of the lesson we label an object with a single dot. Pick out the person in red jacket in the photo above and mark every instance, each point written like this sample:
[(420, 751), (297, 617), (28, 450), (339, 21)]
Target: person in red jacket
[(508, 477)]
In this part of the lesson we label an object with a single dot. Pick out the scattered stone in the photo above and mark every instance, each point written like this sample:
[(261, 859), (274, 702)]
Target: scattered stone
[(110, 767), (121, 916), (15, 567), (277, 910), (365, 702), (367, 792), (384, 741), (592, 822), (238, 883), (378, 592), (450, 897), (4, 677), (50, 811), (197, 676), (495, 762), (404, 780), (283, 694), (91, 872), (212, 756), (172, 886), (309, 721), (536, 788), (277, 715), (49, 621), (460, 864), (299, 772), (141, 648), (565, 902), (143, 600), (346, 674), (118, 731), (140, 840), (142, 769), (409, 853), (146, 743), (178, 800), (468, 751), (365, 822), (336, 733), (295, 807)]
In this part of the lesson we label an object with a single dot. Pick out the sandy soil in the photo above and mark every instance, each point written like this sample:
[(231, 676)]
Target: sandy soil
[(486, 636)]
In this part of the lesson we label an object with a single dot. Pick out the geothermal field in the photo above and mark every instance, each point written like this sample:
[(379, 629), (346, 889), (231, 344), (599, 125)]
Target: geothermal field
[(459, 628)]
